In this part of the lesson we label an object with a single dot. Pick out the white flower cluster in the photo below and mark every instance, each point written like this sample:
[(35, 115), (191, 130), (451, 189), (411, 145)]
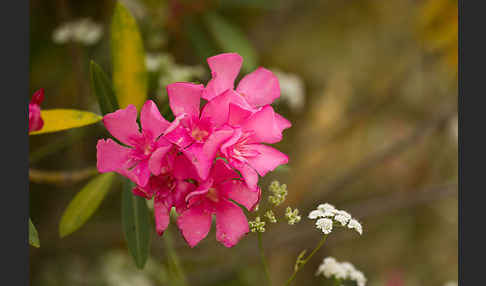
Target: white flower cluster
[(326, 215), (341, 271), (83, 31), (451, 283)]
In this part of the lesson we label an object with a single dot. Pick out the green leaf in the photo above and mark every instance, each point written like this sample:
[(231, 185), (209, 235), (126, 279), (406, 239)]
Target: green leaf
[(130, 77), (85, 203), (200, 40), (102, 88), (33, 235), (136, 224), (231, 39), (63, 119)]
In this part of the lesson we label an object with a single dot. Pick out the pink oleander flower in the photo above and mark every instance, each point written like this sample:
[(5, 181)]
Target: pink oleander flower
[(35, 120), (198, 134), (257, 89), (145, 150), (213, 197), (244, 150), (169, 188)]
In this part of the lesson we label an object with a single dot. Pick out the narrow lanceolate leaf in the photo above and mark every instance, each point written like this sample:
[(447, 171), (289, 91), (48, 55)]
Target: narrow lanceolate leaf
[(63, 119), (136, 224), (103, 89), (200, 40), (85, 203), (130, 78), (231, 39), (33, 235)]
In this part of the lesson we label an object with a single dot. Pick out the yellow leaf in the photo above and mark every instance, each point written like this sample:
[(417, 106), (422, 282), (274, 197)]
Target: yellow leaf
[(63, 119), (129, 71)]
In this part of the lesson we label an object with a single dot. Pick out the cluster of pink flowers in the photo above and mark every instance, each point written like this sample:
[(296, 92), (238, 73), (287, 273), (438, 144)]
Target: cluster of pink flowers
[(35, 120), (207, 157)]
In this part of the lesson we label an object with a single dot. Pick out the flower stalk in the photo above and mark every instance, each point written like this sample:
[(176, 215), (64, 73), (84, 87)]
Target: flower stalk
[(262, 256), (301, 262)]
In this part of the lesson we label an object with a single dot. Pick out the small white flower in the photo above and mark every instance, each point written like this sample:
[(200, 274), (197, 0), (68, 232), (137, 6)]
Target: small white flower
[(354, 224), (342, 217), (451, 283), (324, 224), (315, 214), (326, 208), (341, 270), (61, 35), (152, 62), (292, 89), (83, 31), (358, 276)]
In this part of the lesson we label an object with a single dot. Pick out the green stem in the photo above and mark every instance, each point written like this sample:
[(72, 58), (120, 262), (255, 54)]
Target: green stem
[(304, 261), (175, 269), (262, 256)]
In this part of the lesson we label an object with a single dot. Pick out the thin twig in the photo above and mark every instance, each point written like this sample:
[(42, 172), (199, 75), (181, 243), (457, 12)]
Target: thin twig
[(61, 177)]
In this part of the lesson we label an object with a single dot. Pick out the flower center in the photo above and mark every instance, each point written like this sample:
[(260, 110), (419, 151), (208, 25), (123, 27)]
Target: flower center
[(198, 134), (212, 194)]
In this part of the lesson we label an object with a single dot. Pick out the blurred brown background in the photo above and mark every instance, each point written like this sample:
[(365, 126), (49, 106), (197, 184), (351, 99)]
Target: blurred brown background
[(371, 90)]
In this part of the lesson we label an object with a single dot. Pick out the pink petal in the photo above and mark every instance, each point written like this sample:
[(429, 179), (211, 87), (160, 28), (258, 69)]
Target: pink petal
[(202, 189), (264, 126), (185, 97), (142, 193), (249, 175), (184, 169), (238, 115), (178, 135), (183, 188), (231, 223), (112, 157), (221, 172), (35, 120), (218, 108), (224, 70), (202, 155), (155, 161), (122, 124), (282, 122), (240, 193), (140, 174), (260, 87), (162, 216), (268, 159), (151, 119), (194, 224), (38, 97)]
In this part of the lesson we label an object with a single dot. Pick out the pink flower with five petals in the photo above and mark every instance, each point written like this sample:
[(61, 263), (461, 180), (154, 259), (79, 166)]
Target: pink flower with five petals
[(213, 197), (198, 134), (256, 90), (146, 148)]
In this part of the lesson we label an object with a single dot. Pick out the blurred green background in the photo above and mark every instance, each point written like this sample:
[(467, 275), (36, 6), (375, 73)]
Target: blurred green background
[(371, 90)]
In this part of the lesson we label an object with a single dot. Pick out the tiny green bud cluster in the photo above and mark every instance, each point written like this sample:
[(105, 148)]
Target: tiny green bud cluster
[(292, 216), (279, 192), (271, 216), (257, 225)]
